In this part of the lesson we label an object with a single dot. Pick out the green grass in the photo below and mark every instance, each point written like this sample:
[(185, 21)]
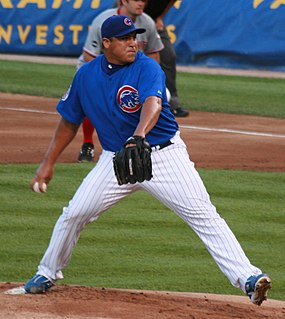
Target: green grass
[(143, 246), (211, 93), (233, 94), (49, 80)]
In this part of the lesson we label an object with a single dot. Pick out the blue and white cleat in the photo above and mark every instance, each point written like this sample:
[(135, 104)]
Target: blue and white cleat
[(38, 284), (257, 287)]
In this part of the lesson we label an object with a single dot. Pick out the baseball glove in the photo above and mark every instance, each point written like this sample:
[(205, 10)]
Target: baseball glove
[(133, 162)]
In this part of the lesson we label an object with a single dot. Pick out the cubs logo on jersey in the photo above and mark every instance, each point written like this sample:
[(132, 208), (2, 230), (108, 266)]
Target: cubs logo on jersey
[(128, 99)]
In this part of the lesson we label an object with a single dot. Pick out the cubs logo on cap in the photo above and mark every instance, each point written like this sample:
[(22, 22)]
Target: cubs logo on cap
[(128, 21), (118, 26), (128, 99)]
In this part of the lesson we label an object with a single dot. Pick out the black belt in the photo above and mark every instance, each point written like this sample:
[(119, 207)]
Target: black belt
[(162, 145)]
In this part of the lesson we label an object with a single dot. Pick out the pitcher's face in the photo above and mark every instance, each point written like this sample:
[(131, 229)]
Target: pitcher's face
[(121, 50)]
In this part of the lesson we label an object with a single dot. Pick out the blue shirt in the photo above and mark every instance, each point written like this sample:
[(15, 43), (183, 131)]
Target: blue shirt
[(113, 101)]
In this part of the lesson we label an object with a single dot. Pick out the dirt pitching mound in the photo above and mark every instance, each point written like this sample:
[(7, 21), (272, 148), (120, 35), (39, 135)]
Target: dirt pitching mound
[(78, 302)]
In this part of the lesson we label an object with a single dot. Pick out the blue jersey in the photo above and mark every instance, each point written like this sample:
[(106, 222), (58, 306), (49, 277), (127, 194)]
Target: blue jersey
[(113, 102)]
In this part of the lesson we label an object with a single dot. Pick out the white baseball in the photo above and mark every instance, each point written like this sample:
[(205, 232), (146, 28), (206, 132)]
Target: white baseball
[(36, 187)]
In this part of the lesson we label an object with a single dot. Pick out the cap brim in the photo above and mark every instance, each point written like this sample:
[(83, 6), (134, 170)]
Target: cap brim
[(141, 30)]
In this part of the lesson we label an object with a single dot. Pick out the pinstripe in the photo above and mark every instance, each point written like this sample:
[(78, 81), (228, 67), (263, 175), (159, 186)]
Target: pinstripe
[(177, 184), (98, 192)]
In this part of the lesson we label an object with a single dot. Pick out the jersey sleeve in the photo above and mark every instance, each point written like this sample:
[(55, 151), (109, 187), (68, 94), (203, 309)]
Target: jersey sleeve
[(93, 42), (154, 43), (69, 107)]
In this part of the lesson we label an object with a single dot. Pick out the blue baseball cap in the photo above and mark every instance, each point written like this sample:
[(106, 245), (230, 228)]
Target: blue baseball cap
[(118, 26)]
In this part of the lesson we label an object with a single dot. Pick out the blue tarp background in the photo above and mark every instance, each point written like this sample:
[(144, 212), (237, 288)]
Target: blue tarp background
[(232, 33)]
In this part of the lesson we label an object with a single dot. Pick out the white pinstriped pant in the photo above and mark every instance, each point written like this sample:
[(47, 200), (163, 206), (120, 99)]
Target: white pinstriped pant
[(177, 184)]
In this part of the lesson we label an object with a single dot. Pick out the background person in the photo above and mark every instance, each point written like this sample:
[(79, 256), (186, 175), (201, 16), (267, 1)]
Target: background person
[(149, 42), (157, 9), (138, 83)]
